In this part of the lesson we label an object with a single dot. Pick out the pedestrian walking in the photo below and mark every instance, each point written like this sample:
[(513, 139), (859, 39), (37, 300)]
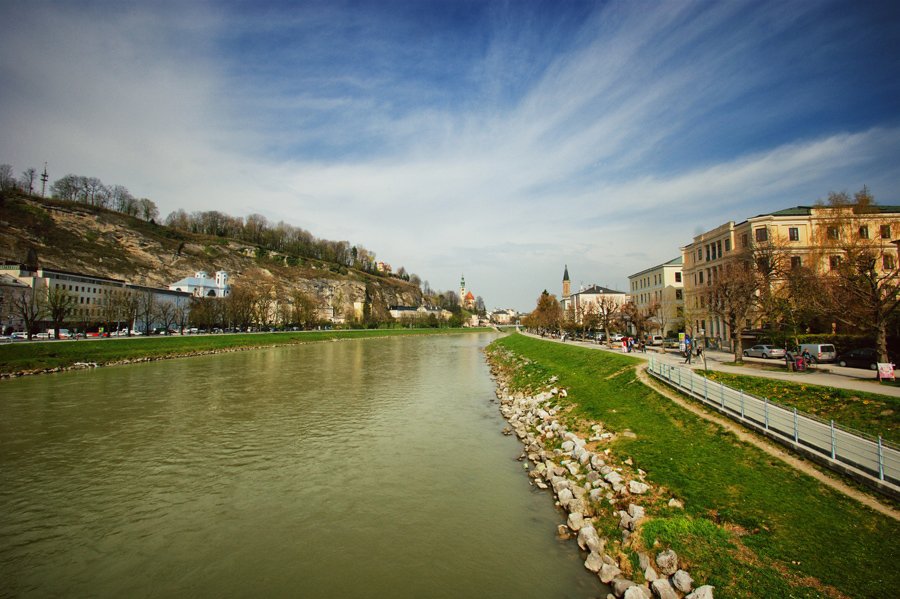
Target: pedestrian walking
[(688, 350)]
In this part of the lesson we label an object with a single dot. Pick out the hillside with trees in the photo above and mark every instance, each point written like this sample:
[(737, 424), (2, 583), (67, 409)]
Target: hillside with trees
[(102, 230)]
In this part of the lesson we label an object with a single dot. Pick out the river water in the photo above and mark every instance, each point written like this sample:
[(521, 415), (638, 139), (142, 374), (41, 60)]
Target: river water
[(368, 468)]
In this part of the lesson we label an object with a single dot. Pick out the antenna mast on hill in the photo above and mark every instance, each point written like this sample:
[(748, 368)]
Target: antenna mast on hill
[(44, 180)]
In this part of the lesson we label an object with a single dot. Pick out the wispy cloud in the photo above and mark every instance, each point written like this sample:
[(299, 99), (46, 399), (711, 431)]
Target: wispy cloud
[(499, 140)]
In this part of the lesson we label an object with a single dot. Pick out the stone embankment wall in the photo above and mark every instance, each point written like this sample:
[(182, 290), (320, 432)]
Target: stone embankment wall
[(585, 481)]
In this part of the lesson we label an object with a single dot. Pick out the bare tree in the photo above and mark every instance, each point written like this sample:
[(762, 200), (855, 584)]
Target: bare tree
[(29, 307), (732, 296), (182, 313), (60, 303), (130, 304), (28, 177), (7, 179), (863, 276), (164, 311), (608, 310), (146, 309), (147, 210)]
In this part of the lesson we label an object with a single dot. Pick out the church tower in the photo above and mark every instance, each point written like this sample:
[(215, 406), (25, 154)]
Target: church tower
[(462, 290), (567, 286)]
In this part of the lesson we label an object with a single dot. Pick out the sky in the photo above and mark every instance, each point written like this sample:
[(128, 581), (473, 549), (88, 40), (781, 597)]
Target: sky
[(497, 140)]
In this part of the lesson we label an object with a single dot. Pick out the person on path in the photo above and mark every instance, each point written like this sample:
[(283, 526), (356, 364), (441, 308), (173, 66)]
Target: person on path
[(789, 359), (688, 348)]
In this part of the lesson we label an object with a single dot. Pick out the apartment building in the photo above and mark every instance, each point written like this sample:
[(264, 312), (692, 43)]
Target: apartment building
[(811, 236), (659, 291)]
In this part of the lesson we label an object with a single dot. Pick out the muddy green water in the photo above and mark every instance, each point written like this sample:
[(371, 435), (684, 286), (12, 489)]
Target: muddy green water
[(371, 468)]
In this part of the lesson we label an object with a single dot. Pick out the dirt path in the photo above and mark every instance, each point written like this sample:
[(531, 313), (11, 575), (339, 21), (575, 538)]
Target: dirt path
[(770, 448)]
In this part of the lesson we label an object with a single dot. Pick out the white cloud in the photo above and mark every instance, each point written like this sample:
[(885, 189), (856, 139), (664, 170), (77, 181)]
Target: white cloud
[(608, 160)]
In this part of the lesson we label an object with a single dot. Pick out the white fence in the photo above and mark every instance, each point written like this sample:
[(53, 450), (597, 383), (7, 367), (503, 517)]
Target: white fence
[(841, 448)]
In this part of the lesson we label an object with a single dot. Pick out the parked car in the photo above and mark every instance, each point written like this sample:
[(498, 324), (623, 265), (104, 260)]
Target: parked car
[(617, 336), (864, 357), (17, 335), (764, 351), (819, 352), (655, 340), (672, 343)]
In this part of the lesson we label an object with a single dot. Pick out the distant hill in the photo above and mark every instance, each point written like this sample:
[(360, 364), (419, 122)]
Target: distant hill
[(95, 241)]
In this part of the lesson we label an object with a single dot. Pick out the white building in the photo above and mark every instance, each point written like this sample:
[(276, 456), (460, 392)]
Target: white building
[(596, 299), (200, 285)]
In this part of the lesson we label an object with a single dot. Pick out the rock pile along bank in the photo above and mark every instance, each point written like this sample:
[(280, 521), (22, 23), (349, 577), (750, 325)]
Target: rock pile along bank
[(585, 479)]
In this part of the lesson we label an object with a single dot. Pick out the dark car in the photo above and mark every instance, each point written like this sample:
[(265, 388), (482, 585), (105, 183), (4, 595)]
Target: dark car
[(864, 357)]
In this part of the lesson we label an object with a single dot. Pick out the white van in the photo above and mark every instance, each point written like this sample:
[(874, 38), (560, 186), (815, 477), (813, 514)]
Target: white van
[(655, 340), (820, 352)]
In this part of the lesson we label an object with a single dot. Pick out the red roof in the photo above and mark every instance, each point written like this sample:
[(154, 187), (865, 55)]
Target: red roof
[(469, 296)]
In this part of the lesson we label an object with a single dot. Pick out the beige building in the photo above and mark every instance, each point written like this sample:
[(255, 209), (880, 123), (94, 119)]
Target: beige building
[(804, 236), (659, 291), (92, 295)]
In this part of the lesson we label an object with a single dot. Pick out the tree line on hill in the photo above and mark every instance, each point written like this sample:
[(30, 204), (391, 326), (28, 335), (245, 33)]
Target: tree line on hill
[(281, 237), (294, 243)]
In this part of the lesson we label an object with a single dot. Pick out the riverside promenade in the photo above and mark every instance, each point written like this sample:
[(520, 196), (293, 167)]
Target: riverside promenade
[(827, 375)]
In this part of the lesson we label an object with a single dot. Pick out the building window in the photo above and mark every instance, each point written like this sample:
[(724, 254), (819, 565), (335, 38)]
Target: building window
[(728, 245), (834, 262), (701, 276), (888, 262), (678, 294), (699, 254), (885, 231), (677, 277), (795, 262), (794, 234), (864, 232), (744, 240), (707, 252), (762, 234), (719, 248), (834, 233)]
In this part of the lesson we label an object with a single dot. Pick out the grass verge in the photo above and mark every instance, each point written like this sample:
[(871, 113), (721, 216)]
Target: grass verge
[(31, 357), (870, 413), (751, 526)]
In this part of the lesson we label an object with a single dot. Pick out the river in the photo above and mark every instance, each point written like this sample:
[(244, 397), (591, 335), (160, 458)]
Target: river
[(366, 468)]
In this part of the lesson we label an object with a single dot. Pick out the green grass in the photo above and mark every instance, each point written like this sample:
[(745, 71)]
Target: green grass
[(752, 526), (870, 413), (19, 357)]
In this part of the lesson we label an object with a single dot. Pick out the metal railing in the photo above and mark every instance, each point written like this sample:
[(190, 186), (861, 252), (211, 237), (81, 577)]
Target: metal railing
[(868, 456)]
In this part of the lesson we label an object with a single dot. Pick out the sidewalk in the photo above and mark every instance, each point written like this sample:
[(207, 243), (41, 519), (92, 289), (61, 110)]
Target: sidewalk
[(854, 379)]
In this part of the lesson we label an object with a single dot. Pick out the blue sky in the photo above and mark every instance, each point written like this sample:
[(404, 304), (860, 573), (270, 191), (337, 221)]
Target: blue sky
[(502, 140)]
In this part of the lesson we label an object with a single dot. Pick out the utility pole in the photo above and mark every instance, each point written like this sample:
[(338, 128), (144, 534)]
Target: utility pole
[(44, 181)]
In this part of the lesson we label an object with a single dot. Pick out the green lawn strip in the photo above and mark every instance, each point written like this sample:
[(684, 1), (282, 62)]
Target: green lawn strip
[(757, 527), (19, 357), (870, 413)]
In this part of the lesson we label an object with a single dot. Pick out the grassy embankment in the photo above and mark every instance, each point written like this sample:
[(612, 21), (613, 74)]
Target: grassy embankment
[(26, 357), (752, 526), (870, 413)]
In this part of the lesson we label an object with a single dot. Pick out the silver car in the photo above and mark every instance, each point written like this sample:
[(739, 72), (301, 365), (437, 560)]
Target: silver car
[(764, 351)]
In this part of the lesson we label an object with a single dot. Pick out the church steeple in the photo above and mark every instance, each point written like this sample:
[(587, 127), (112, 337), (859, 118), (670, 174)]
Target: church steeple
[(567, 285), (462, 290)]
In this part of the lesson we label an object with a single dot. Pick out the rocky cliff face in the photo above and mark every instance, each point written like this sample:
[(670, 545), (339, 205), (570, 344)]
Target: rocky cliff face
[(96, 242)]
